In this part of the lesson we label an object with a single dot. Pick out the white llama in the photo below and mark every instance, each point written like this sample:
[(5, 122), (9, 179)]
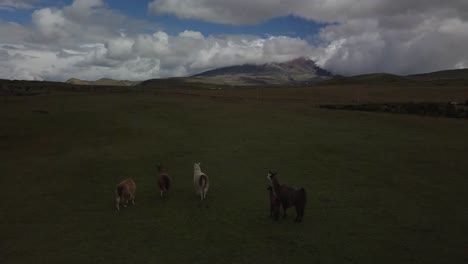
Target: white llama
[(200, 180)]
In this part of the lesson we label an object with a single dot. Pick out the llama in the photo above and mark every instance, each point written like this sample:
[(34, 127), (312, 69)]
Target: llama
[(274, 204), (288, 196), (164, 181), (200, 180), (124, 193)]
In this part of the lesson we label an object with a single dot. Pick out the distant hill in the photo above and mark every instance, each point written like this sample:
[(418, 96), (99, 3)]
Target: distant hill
[(460, 74), (301, 71), (77, 81), (103, 81), (297, 71), (452, 77), (373, 78)]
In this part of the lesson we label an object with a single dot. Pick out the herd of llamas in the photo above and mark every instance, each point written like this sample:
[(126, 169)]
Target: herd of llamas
[(281, 196)]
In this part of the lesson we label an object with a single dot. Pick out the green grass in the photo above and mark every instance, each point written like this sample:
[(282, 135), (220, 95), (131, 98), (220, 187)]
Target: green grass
[(381, 188)]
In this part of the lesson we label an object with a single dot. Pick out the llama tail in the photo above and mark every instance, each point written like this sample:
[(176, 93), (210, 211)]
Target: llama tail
[(302, 196), (202, 181), (119, 190), (167, 183), (164, 183)]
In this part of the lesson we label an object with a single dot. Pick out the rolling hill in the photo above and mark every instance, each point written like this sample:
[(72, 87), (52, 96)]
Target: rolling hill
[(102, 81), (447, 77), (297, 72), (459, 74)]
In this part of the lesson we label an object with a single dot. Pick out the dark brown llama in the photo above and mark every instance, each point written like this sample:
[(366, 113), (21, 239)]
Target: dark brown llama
[(164, 181), (288, 196)]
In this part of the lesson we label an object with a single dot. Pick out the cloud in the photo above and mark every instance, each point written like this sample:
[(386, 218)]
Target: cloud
[(146, 56), (229, 12), (249, 12), (120, 48), (364, 45), (51, 23), (17, 4), (88, 40), (396, 36), (82, 21)]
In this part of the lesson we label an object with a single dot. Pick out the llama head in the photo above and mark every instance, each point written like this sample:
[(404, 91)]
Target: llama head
[(271, 175), (196, 165)]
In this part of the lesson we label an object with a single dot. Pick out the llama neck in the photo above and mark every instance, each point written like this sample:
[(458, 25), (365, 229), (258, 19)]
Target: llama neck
[(275, 185)]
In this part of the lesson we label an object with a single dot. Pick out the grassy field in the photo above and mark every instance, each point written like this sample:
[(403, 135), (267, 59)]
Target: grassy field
[(337, 94), (381, 188)]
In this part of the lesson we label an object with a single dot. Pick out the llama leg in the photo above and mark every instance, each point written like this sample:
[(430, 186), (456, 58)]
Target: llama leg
[(117, 203), (298, 214), (276, 211)]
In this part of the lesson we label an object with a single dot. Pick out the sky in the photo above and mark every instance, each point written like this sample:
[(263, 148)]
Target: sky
[(139, 40)]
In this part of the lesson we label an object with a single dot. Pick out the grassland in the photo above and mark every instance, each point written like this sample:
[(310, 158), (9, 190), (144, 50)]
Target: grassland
[(334, 94), (381, 188)]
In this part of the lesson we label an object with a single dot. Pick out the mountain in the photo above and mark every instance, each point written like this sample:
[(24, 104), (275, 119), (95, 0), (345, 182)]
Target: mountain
[(297, 71), (102, 81)]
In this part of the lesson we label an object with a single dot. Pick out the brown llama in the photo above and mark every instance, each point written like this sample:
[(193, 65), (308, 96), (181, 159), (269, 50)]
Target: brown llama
[(288, 196), (274, 204), (164, 181), (125, 192)]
